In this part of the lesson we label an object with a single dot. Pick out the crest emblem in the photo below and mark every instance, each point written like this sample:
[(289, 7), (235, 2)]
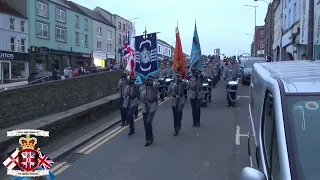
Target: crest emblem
[(28, 159)]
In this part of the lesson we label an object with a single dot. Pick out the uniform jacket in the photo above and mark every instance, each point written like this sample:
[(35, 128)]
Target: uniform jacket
[(176, 91), (169, 72), (195, 87), (233, 74), (121, 85), (162, 73), (207, 72), (148, 97), (131, 95)]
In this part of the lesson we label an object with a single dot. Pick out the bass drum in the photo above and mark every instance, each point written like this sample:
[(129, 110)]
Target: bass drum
[(232, 86)]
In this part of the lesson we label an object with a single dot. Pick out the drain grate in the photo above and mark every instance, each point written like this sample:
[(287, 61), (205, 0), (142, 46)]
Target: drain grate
[(72, 157)]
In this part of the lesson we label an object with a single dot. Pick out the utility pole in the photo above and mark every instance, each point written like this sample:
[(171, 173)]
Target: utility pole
[(310, 30), (255, 24)]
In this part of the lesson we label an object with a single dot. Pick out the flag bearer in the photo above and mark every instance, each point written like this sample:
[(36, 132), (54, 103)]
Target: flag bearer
[(148, 97), (121, 86), (176, 91), (131, 101), (196, 94)]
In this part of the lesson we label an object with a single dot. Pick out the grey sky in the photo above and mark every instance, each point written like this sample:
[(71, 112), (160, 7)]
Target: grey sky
[(221, 24)]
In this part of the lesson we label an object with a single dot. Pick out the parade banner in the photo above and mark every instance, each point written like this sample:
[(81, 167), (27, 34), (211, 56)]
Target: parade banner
[(195, 56), (146, 55), (304, 22), (179, 64)]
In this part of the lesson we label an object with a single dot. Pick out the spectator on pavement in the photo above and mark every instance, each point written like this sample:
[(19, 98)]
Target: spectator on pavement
[(304, 57)]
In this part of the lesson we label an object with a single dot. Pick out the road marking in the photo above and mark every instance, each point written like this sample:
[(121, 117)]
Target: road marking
[(242, 97), (115, 133), (54, 168), (237, 135), (62, 169)]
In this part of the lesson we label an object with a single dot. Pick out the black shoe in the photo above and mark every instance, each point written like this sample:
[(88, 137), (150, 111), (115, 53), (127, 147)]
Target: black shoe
[(147, 144), (198, 124), (123, 124), (229, 105), (131, 133), (176, 133), (194, 125)]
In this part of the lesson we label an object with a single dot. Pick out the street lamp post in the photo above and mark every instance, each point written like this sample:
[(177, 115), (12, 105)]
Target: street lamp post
[(263, 1), (255, 24)]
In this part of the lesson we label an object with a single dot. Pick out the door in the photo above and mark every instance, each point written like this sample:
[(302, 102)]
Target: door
[(5, 71), (270, 161)]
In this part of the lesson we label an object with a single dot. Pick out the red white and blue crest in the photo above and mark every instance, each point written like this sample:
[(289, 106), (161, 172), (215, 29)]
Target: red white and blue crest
[(28, 159)]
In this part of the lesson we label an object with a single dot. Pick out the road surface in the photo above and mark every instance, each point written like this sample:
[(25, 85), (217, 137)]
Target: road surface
[(216, 150)]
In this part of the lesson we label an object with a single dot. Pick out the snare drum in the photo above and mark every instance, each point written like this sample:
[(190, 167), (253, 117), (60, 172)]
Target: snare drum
[(232, 86)]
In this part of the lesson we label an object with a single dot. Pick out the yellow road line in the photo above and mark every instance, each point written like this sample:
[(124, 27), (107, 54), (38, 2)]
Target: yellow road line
[(116, 133), (54, 168), (62, 169), (97, 143), (100, 139)]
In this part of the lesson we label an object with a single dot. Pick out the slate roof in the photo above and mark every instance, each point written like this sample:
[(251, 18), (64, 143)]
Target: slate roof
[(7, 9), (94, 15)]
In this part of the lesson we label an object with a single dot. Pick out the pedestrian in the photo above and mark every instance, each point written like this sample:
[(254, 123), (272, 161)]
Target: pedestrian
[(176, 91), (121, 86), (231, 74), (131, 101), (148, 97), (196, 94), (304, 57)]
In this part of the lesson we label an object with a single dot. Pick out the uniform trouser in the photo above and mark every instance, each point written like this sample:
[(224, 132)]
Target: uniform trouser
[(185, 92), (130, 118), (122, 111), (136, 111), (177, 117), (233, 96), (196, 110), (147, 121), (209, 94)]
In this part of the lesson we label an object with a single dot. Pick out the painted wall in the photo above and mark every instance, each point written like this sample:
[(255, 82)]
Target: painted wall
[(51, 43), (6, 33), (291, 13), (106, 37)]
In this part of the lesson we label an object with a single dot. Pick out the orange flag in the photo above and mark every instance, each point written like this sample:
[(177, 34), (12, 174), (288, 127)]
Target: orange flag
[(179, 64)]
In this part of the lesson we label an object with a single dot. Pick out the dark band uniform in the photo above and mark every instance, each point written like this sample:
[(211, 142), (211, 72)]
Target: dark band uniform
[(131, 101), (148, 97), (196, 94), (207, 71), (121, 86), (231, 74), (176, 91)]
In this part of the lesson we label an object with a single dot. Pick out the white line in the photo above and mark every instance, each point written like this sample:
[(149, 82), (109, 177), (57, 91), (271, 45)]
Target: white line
[(243, 135), (242, 97), (237, 135)]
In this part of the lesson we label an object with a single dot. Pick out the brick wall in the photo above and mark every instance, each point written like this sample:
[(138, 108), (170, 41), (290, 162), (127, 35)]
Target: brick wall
[(34, 101)]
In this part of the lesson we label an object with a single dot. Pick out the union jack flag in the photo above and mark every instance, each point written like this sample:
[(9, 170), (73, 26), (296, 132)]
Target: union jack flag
[(44, 161), (28, 160)]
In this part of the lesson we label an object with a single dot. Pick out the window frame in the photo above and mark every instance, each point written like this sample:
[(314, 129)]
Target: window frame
[(77, 38), (119, 39), (42, 24), (99, 49), (109, 47), (23, 45), (86, 40), (86, 24), (119, 25), (13, 23), (65, 35), (42, 4), (99, 31), (109, 34), (22, 25), (14, 43), (65, 15), (77, 21)]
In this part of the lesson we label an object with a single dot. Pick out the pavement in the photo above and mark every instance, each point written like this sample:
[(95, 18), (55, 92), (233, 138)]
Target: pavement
[(216, 150)]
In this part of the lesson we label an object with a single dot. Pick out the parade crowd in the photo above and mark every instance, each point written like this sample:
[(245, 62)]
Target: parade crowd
[(179, 87)]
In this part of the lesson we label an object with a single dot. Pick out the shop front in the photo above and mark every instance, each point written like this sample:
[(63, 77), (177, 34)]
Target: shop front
[(14, 66), (99, 59), (111, 59), (45, 59)]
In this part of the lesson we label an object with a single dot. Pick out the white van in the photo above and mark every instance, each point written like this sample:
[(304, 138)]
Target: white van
[(285, 116)]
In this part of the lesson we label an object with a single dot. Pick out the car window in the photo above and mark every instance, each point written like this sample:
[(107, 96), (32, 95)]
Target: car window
[(268, 129)]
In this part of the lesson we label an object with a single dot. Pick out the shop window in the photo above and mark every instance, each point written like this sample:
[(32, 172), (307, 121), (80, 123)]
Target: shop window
[(41, 63), (12, 44), (23, 45), (19, 70)]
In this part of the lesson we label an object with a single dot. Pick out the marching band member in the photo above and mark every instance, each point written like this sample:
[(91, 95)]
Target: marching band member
[(121, 85), (231, 74), (148, 97), (176, 91)]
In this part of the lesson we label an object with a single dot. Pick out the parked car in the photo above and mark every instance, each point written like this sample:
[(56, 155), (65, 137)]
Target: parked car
[(284, 115), (246, 68), (40, 77)]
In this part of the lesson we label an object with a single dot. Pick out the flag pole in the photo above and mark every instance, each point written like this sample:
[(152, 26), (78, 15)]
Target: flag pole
[(177, 23)]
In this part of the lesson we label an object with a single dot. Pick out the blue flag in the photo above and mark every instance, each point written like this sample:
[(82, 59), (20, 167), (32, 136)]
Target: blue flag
[(146, 60), (196, 60)]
